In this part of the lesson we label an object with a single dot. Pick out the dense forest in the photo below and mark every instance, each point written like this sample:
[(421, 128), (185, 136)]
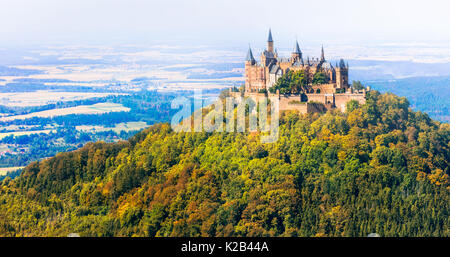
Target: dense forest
[(378, 168), (427, 94)]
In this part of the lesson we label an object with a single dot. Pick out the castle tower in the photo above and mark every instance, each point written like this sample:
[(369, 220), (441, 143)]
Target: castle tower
[(254, 74), (341, 74), (270, 42), (250, 59), (297, 53)]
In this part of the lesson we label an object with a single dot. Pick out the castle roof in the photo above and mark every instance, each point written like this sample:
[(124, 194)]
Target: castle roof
[(322, 56), (283, 59), (327, 65), (270, 36), (342, 63), (298, 63), (250, 57), (274, 69), (297, 48), (268, 54)]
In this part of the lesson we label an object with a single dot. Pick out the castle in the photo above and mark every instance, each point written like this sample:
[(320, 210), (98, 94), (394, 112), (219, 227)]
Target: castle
[(334, 90)]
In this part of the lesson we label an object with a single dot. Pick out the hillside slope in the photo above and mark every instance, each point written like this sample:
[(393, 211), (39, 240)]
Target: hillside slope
[(377, 168)]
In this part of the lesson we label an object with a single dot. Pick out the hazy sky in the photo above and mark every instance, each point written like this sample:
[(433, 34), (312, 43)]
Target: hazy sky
[(228, 22)]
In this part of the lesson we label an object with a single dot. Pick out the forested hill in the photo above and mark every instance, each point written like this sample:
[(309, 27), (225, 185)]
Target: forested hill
[(379, 168)]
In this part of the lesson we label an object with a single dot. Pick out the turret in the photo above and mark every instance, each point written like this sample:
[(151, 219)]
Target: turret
[(342, 64), (341, 74), (297, 53), (250, 59)]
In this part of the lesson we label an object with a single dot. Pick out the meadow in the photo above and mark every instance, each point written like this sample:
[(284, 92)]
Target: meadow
[(3, 171), (82, 109)]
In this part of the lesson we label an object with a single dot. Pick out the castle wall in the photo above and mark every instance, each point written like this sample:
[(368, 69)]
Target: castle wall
[(292, 102), (315, 102), (341, 100), (321, 98), (325, 88)]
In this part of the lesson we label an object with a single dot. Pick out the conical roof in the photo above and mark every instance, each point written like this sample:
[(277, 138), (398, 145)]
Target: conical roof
[(322, 55), (297, 48), (270, 36), (250, 57)]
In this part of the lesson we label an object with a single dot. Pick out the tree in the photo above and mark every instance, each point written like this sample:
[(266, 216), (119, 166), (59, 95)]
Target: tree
[(357, 85), (352, 105), (320, 78), (290, 82)]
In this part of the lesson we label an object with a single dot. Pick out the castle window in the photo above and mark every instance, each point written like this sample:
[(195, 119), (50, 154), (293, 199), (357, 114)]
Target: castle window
[(318, 91)]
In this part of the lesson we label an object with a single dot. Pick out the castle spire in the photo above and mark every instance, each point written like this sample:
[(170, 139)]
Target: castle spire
[(297, 53), (270, 36), (342, 64), (250, 57), (322, 56), (270, 42), (297, 48)]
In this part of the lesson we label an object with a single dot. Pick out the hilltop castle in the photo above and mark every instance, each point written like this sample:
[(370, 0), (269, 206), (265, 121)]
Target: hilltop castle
[(333, 92)]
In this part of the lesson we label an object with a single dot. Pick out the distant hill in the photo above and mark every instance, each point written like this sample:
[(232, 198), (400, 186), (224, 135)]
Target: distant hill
[(427, 94), (379, 168), (10, 71)]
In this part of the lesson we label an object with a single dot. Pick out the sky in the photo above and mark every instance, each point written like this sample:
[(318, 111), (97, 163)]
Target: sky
[(230, 22)]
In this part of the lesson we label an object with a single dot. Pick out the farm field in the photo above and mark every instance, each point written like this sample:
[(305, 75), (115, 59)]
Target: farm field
[(42, 97), (21, 133), (3, 171), (81, 109)]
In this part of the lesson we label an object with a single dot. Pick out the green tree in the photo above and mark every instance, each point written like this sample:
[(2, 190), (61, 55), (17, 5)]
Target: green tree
[(357, 85), (320, 78), (290, 82)]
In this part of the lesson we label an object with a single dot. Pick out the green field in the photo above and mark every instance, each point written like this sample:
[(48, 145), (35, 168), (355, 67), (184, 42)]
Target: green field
[(3, 171), (21, 133), (81, 109)]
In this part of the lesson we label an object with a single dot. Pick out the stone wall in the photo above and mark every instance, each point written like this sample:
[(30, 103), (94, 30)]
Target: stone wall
[(341, 100), (292, 102), (324, 88), (315, 102)]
